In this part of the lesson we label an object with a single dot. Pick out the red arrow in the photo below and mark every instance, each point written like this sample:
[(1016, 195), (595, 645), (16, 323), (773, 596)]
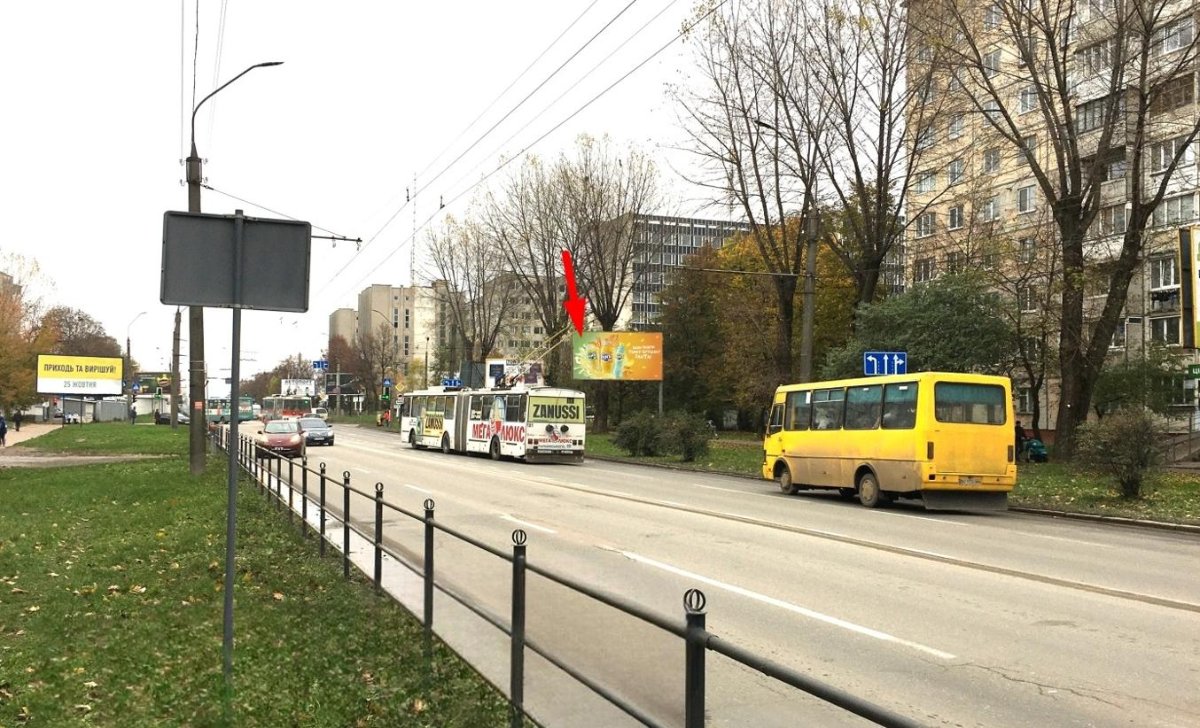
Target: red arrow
[(574, 304)]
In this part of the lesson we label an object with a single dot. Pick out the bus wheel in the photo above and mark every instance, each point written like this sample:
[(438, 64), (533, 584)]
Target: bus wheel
[(412, 439), (869, 493), (445, 444), (494, 449), (785, 482)]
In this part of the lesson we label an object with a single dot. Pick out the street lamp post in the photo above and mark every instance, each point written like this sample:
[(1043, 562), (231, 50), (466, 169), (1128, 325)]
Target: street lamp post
[(196, 313), (129, 365), (426, 384)]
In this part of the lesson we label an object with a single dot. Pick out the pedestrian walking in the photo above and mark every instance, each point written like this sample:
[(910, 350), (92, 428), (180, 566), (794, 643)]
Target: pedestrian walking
[(1021, 438), (3, 432), (133, 415), (17, 417)]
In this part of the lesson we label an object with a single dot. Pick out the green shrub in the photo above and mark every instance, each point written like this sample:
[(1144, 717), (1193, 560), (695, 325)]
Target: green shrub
[(640, 434), (686, 434), (1124, 444)]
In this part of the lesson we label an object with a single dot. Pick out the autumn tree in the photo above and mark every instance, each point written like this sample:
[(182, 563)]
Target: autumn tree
[(1086, 93), (78, 334), (22, 334)]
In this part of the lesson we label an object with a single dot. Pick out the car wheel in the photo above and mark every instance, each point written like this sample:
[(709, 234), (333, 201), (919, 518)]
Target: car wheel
[(869, 493), (445, 444), (785, 481), (494, 448)]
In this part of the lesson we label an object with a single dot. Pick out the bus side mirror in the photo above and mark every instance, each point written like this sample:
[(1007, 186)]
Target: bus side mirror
[(772, 429)]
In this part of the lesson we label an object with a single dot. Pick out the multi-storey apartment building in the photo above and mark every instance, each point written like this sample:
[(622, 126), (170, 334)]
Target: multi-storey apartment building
[(663, 244), (974, 200)]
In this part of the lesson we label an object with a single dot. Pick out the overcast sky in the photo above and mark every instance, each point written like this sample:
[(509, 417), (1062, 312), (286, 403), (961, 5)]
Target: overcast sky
[(97, 98)]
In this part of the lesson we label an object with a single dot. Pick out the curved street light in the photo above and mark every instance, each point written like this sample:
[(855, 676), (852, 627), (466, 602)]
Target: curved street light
[(196, 430)]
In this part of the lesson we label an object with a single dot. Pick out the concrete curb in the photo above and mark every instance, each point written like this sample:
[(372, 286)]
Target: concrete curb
[(1097, 518)]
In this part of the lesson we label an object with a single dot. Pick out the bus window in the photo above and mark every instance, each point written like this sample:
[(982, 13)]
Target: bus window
[(799, 406), (418, 406), (776, 422), (979, 404), (900, 406), (827, 408), (476, 407), (863, 407)]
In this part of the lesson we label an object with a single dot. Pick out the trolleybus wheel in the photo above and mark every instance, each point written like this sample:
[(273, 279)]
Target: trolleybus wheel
[(445, 444), (494, 449), (412, 439), (785, 482), (869, 493)]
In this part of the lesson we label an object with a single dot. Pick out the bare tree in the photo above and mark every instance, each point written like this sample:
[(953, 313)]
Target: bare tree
[(757, 126), (1110, 88), (470, 282)]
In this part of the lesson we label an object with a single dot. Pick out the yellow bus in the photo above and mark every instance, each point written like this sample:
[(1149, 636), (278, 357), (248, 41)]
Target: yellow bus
[(944, 438)]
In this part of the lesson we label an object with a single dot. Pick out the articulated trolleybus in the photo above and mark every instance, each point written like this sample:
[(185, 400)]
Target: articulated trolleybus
[(944, 438), (531, 423)]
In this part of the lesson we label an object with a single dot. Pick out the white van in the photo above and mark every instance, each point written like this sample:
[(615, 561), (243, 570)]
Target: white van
[(320, 412)]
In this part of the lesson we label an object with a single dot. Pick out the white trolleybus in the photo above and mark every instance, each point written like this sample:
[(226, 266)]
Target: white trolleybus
[(533, 423)]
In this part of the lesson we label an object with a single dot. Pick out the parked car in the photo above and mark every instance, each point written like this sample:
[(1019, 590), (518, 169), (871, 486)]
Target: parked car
[(280, 438), (164, 418), (316, 431), (321, 412)]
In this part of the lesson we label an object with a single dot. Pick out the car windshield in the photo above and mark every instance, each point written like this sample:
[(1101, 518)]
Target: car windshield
[(313, 423), (280, 427)]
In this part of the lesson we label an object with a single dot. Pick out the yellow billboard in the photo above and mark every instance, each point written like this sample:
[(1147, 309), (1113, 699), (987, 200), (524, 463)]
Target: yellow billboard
[(78, 374), (618, 355)]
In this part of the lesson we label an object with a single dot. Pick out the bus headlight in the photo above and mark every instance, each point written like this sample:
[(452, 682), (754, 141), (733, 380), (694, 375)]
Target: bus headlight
[(549, 429), (564, 429)]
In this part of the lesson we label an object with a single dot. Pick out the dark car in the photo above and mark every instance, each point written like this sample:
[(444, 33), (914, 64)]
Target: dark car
[(281, 438), (316, 431), (164, 418)]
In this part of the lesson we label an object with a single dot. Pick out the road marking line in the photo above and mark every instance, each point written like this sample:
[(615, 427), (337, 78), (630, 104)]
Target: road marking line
[(527, 524), (857, 628), (919, 518), (410, 485), (734, 490)]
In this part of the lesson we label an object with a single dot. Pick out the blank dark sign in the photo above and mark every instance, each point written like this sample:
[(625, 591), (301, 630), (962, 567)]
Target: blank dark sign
[(198, 262)]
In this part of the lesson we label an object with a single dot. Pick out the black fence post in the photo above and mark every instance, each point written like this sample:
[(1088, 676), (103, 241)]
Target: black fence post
[(322, 510), (694, 653), (378, 536), (304, 497), (429, 584), (346, 524), (278, 481), (291, 479), (516, 685)]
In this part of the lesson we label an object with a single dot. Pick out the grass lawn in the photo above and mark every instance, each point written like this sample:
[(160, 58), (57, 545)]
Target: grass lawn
[(111, 580), (1168, 496)]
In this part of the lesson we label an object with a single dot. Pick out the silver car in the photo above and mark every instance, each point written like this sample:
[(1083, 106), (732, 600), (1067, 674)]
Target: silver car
[(316, 431)]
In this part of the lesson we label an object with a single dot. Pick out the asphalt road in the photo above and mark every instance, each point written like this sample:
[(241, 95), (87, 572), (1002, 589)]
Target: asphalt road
[(999, 619)]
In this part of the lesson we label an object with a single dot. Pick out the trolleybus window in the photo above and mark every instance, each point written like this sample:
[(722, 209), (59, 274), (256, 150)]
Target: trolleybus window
[(979, 404), (863, 407)]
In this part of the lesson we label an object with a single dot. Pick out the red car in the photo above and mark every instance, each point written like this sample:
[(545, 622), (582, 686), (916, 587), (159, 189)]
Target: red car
[(281, 438)]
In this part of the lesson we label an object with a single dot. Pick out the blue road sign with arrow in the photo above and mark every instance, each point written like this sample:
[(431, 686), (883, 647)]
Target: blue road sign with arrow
[(879, 363)]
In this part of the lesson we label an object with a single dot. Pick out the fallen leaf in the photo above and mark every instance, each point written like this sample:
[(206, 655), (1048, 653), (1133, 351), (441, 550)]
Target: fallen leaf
[(137, 589), (19, 590), (278, 596), (34, 608), (90, 684), (83, 708)]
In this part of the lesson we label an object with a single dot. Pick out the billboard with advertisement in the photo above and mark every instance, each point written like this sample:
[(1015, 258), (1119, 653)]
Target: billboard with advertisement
[(618, 355), (99, 375)]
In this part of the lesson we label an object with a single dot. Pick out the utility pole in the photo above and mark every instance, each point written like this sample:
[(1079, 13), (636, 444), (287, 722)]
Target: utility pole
[(811, 232)]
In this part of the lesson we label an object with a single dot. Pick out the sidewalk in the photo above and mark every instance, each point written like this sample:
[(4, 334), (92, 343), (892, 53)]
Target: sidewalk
[(29, 430)]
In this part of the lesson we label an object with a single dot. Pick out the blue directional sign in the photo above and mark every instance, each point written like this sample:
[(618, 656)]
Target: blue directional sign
[(878, 363), (387, 381), (451, 382), (320, 364)]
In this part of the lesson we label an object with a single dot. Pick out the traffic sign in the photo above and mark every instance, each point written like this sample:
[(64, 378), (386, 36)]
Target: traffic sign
[(387, 381), (137, 387), (451, 382), (320, 364), (878, 363)]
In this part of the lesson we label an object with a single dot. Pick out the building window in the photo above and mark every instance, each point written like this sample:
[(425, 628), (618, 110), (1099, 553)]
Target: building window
[(955, 171), (1027, 299), (925, 183), (1027, 251), (989, 211), (1163, 273), (1174, 94), (953, 82), (926, 137), (923, 269), (956, 262), (1115, 169), (955, 218), (991, 111), (955, 128), (991, 63), (1025, 399), (1025, 197), (1028, 99), (1118, 338), (1029, 147), (1174, 210), (1092, 115), (1163, 153), (1112, 220), (928, 92), (1165, 330), (925, 54), (1173, 36), (991, 17), (1095, 58), (991, 161), (925, 224)]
